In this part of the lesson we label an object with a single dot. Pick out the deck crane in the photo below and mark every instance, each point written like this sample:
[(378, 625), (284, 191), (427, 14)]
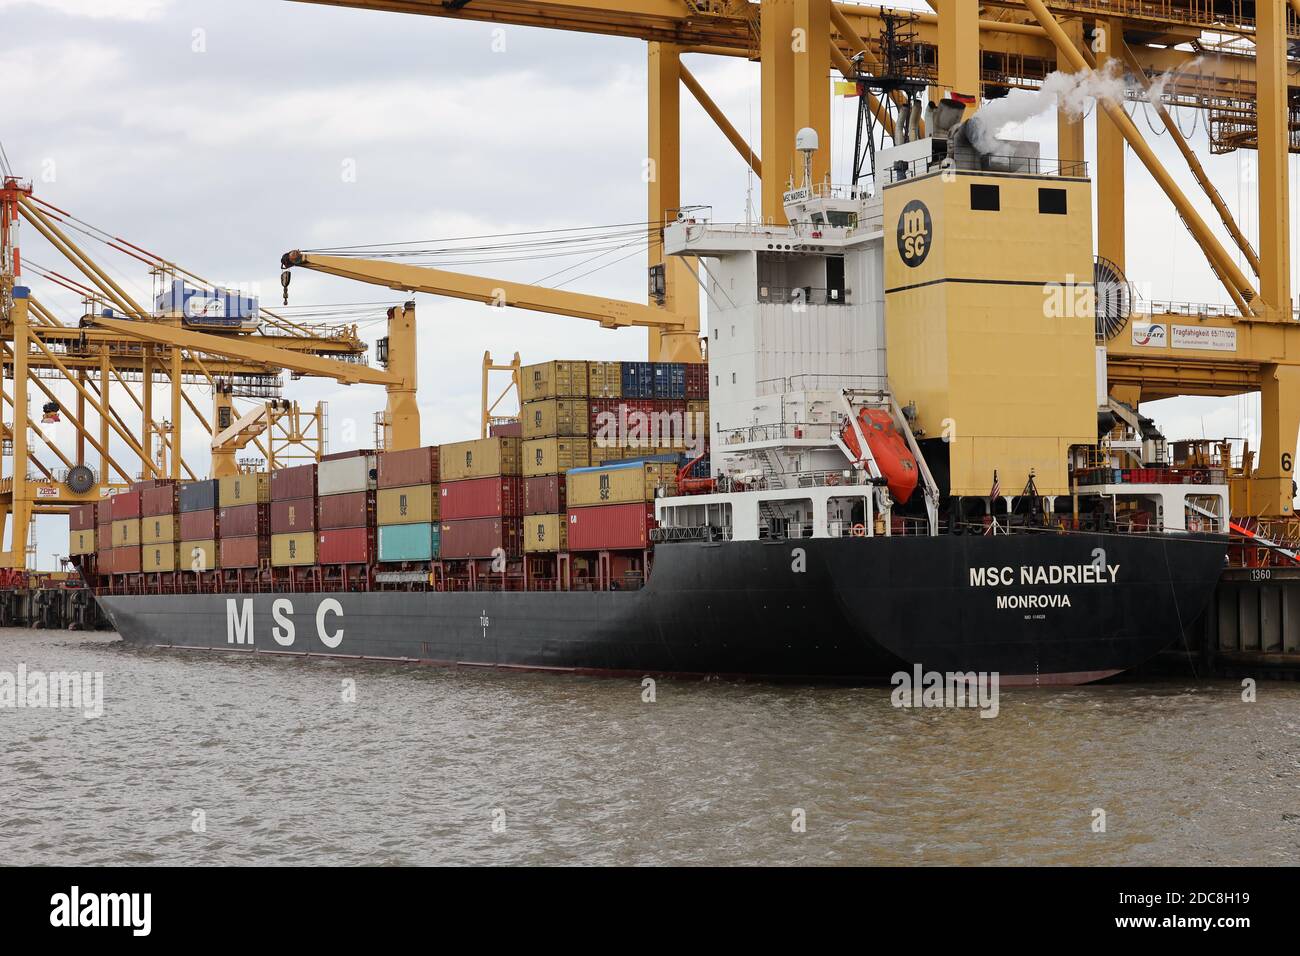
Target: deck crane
[(679, 334)]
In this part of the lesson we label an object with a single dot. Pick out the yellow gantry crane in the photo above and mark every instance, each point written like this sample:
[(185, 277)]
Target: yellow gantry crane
[(490, 406), (116, 354), (1228, 58)]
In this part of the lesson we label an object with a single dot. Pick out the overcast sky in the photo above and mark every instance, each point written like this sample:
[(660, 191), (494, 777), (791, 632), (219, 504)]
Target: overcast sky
[(221, 133)]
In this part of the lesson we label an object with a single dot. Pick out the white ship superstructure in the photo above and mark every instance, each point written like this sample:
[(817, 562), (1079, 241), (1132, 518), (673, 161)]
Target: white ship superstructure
[(796, 344)]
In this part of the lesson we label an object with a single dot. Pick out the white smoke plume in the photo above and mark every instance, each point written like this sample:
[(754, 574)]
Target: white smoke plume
[(1071, 93)]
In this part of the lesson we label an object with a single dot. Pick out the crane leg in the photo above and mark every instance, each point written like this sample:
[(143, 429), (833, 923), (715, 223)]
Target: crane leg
[(1271, 493), (402, 413), (223, 416)]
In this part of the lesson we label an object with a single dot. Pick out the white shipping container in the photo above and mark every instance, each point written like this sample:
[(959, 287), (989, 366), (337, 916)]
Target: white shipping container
[(344, 475)]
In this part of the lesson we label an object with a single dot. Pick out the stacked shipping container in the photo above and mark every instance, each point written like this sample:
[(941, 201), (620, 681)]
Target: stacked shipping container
[(611, 507), (632, 410), (572, 475), (481, 498), (159, 543), (557, 432), (197, 505), (104, 537), (293, 516), (125, 532), (554, 418), (408, 505), (345, 485), (244, 520), (81, 528)]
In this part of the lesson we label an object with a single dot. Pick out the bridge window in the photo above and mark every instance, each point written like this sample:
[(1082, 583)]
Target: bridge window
[(986, 198), (1052, 202)]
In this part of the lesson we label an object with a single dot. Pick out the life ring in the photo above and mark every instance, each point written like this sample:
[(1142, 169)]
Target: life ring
[(859, 531)]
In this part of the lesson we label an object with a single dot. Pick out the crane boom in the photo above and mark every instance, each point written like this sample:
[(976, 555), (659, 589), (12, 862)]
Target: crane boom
[(610, 313), (348, 373)]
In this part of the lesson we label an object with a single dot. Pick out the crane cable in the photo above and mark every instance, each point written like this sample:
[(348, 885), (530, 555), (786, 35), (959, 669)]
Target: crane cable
[(345, 250)]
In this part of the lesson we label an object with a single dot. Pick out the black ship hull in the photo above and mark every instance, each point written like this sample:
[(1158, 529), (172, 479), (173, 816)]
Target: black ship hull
[(1033, 608)]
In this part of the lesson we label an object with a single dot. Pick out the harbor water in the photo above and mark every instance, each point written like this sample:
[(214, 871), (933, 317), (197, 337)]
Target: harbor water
[(203, 758)]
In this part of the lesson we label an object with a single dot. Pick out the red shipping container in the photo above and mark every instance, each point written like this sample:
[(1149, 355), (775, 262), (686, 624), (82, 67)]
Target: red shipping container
[(415, 466), (297, 482), (126, 504), (81, 517), (245, 552), (198, 525), (353, 510), (126, 560), (104, 560), (544, 495), (480, 538), (296, 514), (611, 527), (158, 500), (345, 545), (242, 521), (624, 415), (697, 381), (506, 430), (496, 497)]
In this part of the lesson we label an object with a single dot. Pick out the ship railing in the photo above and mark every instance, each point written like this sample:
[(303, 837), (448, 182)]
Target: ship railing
[(908, 526), (800, 295), (784, 530), (1164, 475), (695, 533), (844, 191), (1068, 524), (629, 582), (829, 479), (1191, 309), (779, 431), (822, 381), (993, 162)]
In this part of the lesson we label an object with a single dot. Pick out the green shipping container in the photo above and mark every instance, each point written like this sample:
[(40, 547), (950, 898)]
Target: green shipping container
[(408, 542)]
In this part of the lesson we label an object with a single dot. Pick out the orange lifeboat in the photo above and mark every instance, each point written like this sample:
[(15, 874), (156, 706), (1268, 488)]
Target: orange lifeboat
[(888, 447)]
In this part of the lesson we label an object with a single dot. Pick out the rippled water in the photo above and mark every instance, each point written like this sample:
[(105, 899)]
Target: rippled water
[(583, 771)]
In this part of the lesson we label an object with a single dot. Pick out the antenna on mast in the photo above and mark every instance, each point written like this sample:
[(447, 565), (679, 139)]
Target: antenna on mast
[(805, 141)]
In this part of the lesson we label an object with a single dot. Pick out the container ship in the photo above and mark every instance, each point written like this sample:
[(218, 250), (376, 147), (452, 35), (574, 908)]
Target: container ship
[(901, 451)]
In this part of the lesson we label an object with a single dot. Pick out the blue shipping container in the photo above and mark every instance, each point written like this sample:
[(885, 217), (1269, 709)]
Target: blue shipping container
[(638, 380), (670, 380), (200, 495), (408, 542)]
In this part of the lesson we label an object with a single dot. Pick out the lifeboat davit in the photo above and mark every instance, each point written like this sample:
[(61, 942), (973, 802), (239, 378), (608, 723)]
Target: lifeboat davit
[(888, 447)]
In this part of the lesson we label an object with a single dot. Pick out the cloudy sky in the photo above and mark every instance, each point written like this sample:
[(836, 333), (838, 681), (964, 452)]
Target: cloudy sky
[(221, 133)]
